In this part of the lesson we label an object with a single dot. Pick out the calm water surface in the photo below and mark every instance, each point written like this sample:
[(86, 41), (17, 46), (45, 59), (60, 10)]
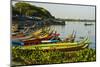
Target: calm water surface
[(80, 29)]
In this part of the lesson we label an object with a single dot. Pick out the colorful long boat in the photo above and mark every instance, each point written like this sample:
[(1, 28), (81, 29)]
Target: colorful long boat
[(60, 46), (37, 40), (36, 34), (18, 35), (31, 41)]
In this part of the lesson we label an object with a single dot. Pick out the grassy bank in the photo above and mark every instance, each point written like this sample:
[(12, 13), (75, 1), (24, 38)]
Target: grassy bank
[(29, 56)]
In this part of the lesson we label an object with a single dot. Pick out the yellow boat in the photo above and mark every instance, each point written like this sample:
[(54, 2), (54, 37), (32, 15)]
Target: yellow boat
[(61, 46), (37, 32)]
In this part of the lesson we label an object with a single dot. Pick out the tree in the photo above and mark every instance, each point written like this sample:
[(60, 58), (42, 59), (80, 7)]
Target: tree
[(26, 9), (14, 11), (22, 7)]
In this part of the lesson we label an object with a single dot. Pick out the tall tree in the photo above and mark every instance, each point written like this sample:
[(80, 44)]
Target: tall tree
[(22, 7), (27, 9)]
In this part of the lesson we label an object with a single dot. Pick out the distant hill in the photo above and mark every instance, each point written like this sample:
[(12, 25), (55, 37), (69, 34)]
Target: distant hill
[(26, 9), (23, 11)]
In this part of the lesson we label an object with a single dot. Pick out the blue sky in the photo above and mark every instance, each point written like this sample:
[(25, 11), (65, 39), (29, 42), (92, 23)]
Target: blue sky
[(67, 11)]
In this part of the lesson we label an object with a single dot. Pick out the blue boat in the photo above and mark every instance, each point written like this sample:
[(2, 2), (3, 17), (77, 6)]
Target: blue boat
[(17, 43), (49, 41)]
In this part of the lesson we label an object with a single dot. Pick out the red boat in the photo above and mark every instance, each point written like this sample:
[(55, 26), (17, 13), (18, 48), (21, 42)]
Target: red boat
[(34, 41)]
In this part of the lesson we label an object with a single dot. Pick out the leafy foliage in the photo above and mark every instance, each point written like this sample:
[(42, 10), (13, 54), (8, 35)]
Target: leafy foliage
[(37, 56), (22, 8)]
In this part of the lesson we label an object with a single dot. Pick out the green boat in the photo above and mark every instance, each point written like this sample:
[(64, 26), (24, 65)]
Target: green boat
[(60, 46)]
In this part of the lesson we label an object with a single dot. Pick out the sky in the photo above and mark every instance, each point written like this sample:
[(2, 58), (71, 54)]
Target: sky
[(67, 11)]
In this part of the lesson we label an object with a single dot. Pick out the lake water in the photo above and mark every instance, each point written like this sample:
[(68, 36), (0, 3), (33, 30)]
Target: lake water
[(80, 29)]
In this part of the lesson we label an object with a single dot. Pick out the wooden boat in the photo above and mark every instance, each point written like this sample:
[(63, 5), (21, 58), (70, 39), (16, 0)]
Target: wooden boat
[(34, 41), (40, 31), (45, 36), (27, 37), (49, 41), (23, 37), (71, 37), (13, 34), (81, 37), (17, 43), (42, 36), (30, 39), (18, 35), (61, 46), (88, 24), (37, 32)]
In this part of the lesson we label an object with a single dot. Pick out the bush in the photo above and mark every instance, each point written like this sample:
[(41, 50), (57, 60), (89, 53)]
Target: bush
[(38, 56)]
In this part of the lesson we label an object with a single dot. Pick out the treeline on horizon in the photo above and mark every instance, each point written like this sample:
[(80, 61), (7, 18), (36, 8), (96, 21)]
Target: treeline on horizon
[(82, 20)]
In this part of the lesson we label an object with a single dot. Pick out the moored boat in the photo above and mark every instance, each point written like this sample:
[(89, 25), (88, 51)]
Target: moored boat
[(61, 46), (34, 41), (49, 41), (71, 37), (88, 24), (17, 43)]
